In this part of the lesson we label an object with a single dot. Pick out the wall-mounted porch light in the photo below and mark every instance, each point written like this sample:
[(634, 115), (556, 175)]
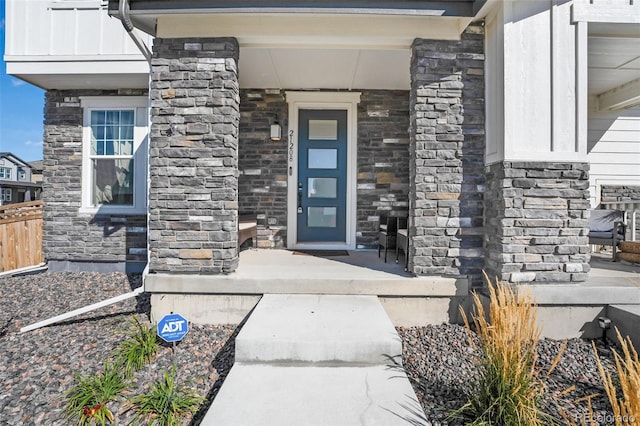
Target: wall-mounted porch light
[(276, 130)]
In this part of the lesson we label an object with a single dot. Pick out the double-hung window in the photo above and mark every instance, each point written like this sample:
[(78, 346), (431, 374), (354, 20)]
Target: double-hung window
[(5, 173), (115, 154), (5, 194)]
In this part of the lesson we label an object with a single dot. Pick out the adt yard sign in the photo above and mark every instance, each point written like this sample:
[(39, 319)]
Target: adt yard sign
[(172, 327)]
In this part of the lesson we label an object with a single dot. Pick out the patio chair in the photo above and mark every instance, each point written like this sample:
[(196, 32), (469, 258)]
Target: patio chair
[(387, 232), (402, 240), (607, 227)]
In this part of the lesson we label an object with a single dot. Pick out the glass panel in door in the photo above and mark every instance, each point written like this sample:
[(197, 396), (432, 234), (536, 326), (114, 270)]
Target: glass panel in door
[(322, 176)]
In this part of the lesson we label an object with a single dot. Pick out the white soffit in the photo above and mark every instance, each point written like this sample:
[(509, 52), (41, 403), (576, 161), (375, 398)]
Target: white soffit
[(300, 68), (81, 75)]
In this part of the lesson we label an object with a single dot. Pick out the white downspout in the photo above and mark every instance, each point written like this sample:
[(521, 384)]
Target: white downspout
[(83, 310), (126, 23), (123, 8)]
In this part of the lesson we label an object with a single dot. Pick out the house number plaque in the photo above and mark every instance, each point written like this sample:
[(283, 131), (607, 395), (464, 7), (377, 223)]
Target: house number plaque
[(291, 146)]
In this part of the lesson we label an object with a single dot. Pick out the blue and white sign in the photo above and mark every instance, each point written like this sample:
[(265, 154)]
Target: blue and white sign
[(173, 327)]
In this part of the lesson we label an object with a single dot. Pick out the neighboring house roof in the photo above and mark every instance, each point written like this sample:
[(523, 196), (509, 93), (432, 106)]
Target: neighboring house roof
[(19, 184), (14, 159), (37, 166)]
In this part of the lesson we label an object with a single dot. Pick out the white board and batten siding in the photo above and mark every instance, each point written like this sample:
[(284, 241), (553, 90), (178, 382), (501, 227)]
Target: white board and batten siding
[(535, 83), (47, 38), (65, 28), (613, 149)]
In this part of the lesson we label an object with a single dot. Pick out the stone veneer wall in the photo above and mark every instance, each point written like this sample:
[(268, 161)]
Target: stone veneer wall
[(72, 240), (613, 193), (262, 184), (383, 158), (624, 193), (447, 162), (193, 194), (537, 221)]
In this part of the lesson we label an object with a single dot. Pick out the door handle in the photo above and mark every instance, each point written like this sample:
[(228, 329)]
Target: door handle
[(299, 197)]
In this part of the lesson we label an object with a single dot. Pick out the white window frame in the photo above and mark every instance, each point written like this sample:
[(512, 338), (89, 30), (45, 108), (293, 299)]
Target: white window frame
[(6, 173), (140, 105), (6, 194), (22, 174)]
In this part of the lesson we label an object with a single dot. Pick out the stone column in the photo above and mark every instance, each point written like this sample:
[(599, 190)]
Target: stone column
[(537, 221), (537, 204), (193, 191), (447, 146)]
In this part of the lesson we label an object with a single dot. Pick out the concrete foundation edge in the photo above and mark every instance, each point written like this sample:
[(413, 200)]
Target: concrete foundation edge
[(556, 322), (101, 267), (204, 308)]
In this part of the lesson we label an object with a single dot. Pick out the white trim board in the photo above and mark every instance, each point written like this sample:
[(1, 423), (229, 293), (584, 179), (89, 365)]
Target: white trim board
[(347, 101)]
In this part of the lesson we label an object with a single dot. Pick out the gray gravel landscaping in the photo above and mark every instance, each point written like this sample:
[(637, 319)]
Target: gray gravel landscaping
[(38, 367)]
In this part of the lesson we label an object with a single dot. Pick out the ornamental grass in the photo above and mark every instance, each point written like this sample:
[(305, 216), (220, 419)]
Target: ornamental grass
[(626, 405), (507, 389)]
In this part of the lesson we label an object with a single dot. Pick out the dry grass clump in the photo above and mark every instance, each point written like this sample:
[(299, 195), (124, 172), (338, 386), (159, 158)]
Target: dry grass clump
[(626, 407), (507, 390)]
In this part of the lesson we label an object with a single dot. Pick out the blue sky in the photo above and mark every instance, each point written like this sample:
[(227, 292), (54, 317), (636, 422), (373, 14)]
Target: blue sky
[(21, 110)]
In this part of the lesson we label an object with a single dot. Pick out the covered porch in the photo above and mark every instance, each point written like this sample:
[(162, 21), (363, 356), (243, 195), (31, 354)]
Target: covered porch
[(565, 310)]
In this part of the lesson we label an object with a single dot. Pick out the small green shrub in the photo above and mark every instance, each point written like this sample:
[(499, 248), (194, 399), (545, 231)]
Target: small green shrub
[(165, 403), (87, 400), (507, 390), (138, 349)]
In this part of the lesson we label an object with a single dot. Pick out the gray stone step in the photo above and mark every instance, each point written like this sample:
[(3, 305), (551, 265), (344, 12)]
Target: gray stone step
[(330, 329), (272, 395)]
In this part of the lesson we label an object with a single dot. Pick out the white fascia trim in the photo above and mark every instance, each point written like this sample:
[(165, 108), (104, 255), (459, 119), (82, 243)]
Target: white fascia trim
[(322, 100), (100, 67), (605, 12), (296, 10), (75, 58), (313, 29)]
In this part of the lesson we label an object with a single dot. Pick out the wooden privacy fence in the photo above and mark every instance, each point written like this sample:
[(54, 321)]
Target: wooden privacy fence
[(20, 235)]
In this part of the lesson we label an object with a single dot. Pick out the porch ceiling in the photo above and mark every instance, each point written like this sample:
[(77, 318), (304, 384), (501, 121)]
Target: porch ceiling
[(614, 64), (319, 50), (311, 68)]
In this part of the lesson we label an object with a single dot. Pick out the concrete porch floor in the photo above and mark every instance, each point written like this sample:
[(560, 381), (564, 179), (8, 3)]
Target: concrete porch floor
[(605, 271), (366, 265), (262, 266), (294, 272), (220, 299), (408, 300)]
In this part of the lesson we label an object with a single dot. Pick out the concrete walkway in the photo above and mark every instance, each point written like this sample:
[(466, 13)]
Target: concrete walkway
[(317, 360)]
